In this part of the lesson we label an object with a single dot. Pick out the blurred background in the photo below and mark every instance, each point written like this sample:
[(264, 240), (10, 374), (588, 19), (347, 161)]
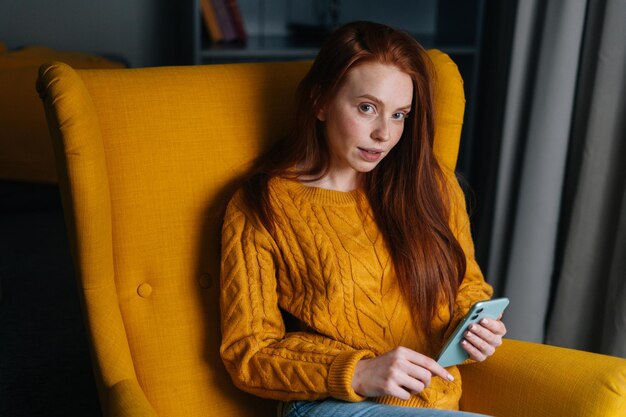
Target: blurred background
[(543, 155)]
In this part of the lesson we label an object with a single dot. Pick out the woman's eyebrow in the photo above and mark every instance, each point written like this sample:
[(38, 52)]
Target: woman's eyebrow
[(378, 101)]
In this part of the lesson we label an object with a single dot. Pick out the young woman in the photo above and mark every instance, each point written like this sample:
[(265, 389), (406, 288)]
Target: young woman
[(347, 257)]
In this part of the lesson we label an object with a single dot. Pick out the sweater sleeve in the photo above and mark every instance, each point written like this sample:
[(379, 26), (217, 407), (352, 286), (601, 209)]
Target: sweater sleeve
[(258, 353), (473, 288)]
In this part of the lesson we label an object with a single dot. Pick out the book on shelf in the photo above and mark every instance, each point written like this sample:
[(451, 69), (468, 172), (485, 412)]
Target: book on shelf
[(210, 20), (237, 19), (226, 24)]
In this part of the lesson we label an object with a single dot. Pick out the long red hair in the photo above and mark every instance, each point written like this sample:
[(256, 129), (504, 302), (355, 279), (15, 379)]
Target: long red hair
[(406, 190)]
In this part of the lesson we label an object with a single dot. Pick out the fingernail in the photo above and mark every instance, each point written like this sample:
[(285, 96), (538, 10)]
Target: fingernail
[(450, 377), (485, 321)]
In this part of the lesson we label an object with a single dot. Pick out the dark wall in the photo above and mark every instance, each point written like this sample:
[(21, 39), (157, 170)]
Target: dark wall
[(143, 32)]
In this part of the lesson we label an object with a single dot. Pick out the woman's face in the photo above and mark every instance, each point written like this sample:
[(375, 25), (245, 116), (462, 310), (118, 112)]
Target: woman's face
[(365, 119)]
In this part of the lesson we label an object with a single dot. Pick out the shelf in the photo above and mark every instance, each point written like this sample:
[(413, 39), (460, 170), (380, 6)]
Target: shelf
[(279, 47), (284, 48), (430, 41)]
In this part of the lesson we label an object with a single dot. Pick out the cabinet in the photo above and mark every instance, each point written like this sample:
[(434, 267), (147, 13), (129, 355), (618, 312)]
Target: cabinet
[(453, 26)]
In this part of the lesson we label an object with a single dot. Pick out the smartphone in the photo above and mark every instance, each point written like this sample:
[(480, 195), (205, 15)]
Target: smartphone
[(452, 352)]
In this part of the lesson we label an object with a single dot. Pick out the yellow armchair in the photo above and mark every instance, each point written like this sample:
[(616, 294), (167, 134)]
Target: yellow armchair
[(147, 159)]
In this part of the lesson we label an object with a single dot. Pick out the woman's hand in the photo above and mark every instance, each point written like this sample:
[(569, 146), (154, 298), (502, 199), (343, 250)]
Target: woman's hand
[(481, 340), (400, 372)]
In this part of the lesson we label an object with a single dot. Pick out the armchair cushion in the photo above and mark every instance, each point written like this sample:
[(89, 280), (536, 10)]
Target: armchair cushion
[(533, 380)]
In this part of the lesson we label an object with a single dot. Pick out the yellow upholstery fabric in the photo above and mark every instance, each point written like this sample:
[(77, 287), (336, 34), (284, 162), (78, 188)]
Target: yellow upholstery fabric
[(528, 379), (147, 159), (449, 104), (126, 398), (25, 149)]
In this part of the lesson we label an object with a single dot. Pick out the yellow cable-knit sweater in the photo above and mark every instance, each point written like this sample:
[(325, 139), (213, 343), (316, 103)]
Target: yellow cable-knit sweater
[(328, 266)]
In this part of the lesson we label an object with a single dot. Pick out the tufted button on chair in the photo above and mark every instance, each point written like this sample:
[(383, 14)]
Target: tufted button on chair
[(147, 159)]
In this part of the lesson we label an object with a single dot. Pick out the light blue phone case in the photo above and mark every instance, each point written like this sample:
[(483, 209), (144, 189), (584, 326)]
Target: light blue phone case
[(452, 352)]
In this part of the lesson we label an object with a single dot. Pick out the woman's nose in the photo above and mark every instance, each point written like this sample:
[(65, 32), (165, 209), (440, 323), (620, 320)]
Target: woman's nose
[(381, 130)]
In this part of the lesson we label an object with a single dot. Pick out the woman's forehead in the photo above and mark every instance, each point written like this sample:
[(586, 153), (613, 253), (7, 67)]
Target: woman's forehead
[(385, 82)]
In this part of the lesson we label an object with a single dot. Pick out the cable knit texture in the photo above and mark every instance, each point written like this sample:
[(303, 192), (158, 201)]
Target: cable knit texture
[(327, 265)]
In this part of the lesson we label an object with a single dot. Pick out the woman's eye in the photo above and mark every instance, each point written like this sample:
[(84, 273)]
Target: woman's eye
[(399, 116), (366, 108)]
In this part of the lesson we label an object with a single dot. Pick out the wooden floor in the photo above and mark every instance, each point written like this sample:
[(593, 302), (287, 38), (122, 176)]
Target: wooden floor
[(45, 368)]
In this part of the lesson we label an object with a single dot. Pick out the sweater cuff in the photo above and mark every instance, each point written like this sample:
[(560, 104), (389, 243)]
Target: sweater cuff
[(341, 373)]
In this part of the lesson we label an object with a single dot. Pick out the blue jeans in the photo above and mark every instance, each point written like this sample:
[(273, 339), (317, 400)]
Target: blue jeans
[(336, 408)]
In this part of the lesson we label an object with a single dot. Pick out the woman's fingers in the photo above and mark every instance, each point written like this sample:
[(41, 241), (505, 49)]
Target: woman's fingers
[(481, 349), (430, 365), (419, 374), (496, 327), (474, 353), (399, 372), (413, 385), (482, 340), (485, 334)]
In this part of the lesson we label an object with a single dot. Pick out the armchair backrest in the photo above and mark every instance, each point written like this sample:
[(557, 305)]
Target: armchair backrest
[(147, 159)]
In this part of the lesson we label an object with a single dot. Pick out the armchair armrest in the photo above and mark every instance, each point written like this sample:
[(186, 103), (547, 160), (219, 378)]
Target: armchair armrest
[(530, 379), (127, 399)]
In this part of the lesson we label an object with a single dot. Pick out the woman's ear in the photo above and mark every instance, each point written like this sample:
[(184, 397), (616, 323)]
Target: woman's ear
[(320, 111), (321, 114)]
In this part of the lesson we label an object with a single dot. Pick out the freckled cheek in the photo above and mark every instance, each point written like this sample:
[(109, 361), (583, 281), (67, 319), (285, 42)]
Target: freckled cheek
[(397, 132), (360, 130), (348, 126)]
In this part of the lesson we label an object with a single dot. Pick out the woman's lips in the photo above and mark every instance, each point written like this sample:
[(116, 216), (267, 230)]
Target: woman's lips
[(371, 155)]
